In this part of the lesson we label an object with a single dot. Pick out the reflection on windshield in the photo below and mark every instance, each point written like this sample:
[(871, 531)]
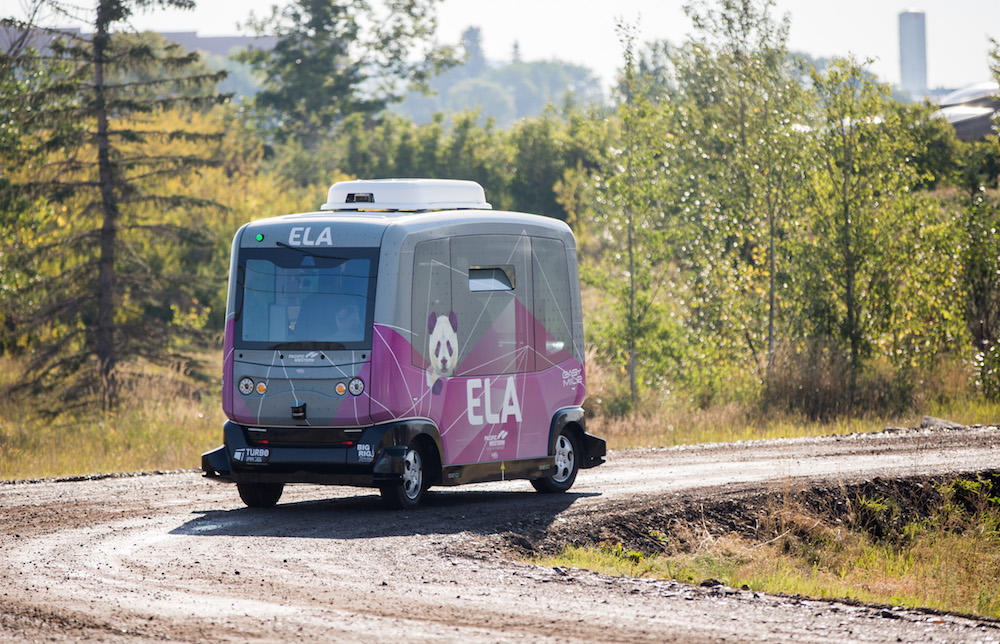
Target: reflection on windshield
[(291, 298)]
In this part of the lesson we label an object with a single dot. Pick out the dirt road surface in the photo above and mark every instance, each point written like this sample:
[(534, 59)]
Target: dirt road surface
[(175, 556)]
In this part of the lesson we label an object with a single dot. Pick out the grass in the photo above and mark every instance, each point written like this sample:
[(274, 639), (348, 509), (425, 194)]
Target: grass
[(165, 422), (682, 425), (949, 560), (672, 420)]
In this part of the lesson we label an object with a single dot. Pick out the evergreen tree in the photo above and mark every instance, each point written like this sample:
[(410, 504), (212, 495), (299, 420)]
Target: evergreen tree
[(95, 285), (334, 58)]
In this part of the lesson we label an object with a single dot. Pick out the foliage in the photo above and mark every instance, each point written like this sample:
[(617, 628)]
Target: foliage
[(90, 285), (980, 264), (861, 195), (632, 267), (802, 245), (334, 58), (745, 161)]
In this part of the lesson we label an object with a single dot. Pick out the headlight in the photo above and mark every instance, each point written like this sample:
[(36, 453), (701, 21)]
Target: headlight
[(357, 386), (246, 386)]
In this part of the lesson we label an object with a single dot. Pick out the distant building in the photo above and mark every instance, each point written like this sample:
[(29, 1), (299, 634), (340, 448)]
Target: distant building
[(972, 110), (913, 52), (220, 45)]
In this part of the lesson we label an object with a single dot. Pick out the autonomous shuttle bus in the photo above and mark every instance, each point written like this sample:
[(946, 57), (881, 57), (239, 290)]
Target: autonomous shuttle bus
[(405, 336)]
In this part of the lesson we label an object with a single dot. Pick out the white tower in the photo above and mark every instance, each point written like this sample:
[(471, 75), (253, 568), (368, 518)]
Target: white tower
[(913, 52)]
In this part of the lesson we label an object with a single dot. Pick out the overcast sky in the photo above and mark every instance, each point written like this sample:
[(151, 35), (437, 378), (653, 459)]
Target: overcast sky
[(583, 31)]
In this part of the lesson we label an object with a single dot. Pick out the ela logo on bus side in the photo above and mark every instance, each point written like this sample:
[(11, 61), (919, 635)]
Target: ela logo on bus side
[(510, 406), (299, 236)]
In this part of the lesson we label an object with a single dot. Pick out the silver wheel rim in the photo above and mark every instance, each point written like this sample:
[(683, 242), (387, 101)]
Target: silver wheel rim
[(564, 459), (413, 474)]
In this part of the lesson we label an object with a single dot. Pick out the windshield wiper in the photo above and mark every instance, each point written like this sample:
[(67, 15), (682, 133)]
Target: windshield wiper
[(336, 346), (308, 252)]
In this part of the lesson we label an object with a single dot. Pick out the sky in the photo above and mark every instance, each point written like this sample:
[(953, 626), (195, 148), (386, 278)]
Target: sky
[(583, 31)]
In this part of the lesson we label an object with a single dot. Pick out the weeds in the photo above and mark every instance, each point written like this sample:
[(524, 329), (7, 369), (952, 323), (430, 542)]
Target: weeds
[(673, 419), (166, 420), (947, 556)]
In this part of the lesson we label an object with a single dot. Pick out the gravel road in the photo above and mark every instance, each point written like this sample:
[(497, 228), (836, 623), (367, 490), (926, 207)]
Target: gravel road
[(176, 556)]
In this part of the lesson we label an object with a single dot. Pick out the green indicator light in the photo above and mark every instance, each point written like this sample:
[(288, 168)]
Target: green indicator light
[(260, 237)]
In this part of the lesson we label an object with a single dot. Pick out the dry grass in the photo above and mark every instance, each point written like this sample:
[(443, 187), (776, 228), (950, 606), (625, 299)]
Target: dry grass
[(168, 420), (949, 561), (165, 422), (672, 420)]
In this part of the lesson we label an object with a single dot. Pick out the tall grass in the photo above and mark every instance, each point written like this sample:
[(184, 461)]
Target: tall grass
[(672, 419), (165, 421)]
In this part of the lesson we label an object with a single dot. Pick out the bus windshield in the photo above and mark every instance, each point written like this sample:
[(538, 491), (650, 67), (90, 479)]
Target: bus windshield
[(292, 298)]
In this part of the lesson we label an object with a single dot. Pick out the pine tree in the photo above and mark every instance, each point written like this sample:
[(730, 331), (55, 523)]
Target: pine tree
[(98, 270), (334, 58)]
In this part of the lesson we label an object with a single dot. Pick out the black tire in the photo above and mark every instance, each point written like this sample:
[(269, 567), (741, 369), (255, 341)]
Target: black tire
[(260, 495), (567, 456), (409, 490)]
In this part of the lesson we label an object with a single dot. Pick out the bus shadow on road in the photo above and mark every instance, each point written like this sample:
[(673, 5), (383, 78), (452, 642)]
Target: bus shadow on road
[(365, 517)]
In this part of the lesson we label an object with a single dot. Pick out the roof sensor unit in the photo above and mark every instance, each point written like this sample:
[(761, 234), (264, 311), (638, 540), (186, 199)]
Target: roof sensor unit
[(409, 195)]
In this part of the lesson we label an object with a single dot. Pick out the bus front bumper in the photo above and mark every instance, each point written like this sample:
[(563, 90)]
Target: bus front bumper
[(372, 459)]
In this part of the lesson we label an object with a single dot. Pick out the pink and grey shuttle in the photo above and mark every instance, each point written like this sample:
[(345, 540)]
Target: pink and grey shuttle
[(406, 335)]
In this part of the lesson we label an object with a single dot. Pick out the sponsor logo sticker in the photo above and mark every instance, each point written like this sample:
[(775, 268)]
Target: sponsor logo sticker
[(498, 439), (572, 377), (303, 357), (251, 455), (366, 453)]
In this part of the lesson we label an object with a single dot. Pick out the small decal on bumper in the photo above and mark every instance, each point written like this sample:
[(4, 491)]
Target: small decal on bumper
[(251, 455)]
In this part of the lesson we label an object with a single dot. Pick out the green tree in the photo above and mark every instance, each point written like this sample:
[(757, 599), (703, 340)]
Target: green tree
[(861, 194), (632, 268), (334, 58), (741, 111), (95, 289)]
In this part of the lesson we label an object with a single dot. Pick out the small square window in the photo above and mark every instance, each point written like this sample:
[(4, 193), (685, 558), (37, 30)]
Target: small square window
[(490, 279)]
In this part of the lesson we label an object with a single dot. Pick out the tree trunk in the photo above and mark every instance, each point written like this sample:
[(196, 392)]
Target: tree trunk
[(106, 355), (770, 291), (850, 270)]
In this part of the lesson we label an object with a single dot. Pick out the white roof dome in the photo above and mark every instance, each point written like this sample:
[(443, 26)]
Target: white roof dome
[(406, 194)]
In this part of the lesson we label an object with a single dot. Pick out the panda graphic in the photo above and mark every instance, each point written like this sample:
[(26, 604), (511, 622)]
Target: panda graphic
[(442, 349)]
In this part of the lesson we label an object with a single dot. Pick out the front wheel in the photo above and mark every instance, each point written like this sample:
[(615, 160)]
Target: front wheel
[(260, 495), (567, 464), (409, 490)]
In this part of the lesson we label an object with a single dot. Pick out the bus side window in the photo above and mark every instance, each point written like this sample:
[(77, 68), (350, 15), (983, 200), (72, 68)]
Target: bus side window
[(553, 308), (430, 296), (490, 287)]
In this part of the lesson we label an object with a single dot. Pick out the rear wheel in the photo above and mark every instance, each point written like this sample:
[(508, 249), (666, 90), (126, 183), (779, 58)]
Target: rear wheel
[(260, 495), (567, 464), (409, 490)]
